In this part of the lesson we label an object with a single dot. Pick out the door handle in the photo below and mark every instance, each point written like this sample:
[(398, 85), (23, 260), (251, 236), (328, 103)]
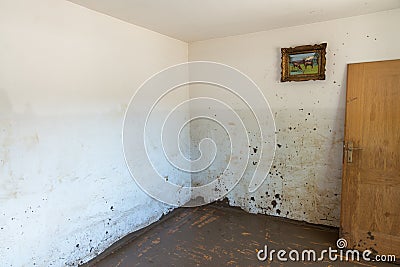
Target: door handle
[(350, 148)]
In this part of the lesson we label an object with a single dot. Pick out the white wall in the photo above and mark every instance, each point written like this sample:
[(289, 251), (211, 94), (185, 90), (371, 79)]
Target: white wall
[(66, 77), (305, 180)]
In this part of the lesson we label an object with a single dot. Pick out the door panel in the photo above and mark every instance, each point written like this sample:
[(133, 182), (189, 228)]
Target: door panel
[(370, 212)]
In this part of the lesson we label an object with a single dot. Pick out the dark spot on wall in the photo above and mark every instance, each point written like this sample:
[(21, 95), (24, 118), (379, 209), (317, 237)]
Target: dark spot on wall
[(252, 199), (77, 245), (112, 208), (255, 149), (254, 162), (315, 129), (370, 236), (278, 196), (274, 203), (279, 145), (278, 211)]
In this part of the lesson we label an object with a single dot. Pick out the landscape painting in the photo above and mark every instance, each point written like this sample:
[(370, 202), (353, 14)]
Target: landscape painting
[(306, 63), (303, 63)]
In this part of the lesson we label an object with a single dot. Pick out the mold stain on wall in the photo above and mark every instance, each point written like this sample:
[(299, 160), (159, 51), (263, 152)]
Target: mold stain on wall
[(304, 181)]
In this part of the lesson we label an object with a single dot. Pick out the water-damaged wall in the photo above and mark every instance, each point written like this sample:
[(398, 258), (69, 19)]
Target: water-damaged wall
[(66, 77), (304, 182)]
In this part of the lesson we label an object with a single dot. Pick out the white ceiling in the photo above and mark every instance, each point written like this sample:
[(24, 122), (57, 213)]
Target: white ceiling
[(194, 20)]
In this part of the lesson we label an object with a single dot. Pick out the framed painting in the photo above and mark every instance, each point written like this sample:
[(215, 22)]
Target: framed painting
[(303, 63)]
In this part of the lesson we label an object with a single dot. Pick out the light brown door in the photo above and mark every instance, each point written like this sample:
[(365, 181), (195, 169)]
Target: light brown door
[(370, 211)]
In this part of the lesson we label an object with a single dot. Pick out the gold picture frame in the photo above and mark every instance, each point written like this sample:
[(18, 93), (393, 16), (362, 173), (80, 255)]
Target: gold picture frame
[(303, 63)]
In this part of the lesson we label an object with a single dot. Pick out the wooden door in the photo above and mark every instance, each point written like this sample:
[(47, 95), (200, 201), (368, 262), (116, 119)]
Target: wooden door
[(370, 211)]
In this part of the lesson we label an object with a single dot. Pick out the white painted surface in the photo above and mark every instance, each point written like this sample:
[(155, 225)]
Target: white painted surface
[(66, 76), (201, 20), (305, 181)]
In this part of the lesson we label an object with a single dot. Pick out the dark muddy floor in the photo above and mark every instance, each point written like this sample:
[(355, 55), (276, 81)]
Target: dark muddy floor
[(218, 235)]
